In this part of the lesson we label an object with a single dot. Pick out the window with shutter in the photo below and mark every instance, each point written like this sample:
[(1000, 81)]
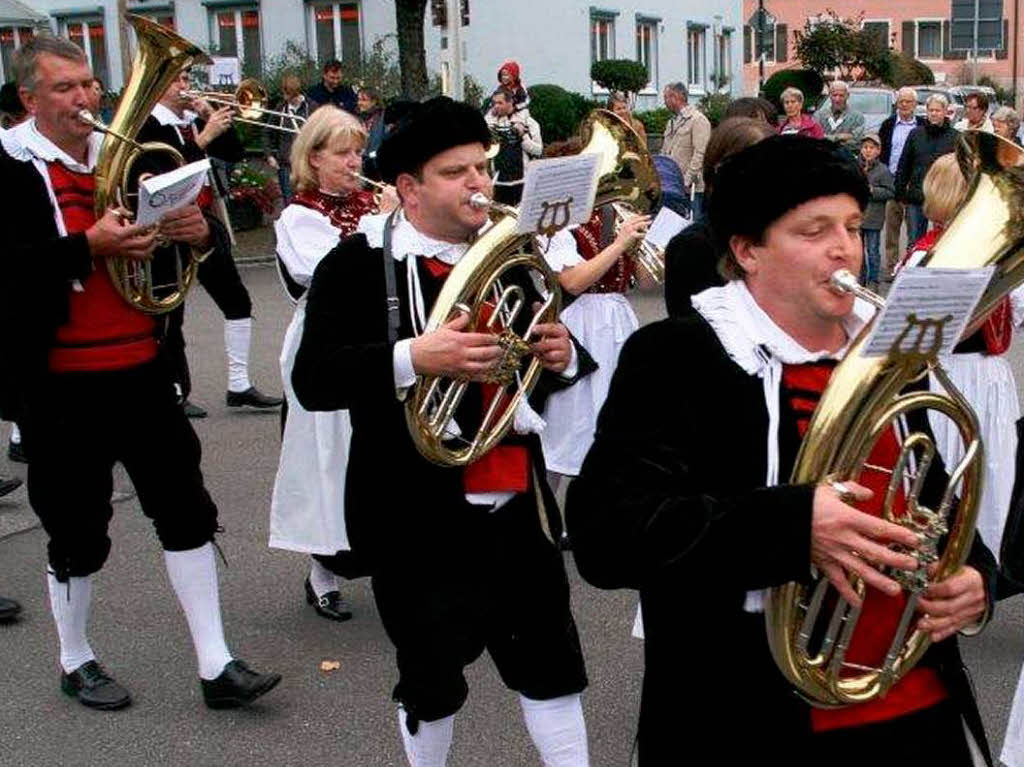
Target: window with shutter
[(781, 44), (908, 37), (747, 43)]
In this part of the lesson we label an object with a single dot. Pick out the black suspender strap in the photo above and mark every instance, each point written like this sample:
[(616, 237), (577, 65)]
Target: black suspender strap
[(390, 282)]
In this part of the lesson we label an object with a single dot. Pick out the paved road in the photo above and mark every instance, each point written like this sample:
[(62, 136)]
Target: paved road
[(340, 718)]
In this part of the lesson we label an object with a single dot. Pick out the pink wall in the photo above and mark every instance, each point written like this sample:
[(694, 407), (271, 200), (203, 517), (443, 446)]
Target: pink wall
[(794, 14)]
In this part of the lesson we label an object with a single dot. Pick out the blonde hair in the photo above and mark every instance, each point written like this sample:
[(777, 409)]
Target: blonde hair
[(944, 189), (328, 126), (794, 92)]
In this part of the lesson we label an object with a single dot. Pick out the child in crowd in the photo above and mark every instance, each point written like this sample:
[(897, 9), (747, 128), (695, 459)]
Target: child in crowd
[(882, 188), (508, 78)]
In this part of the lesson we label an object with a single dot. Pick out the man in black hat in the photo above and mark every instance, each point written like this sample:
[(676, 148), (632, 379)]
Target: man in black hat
[(691, 508), (463, 559)]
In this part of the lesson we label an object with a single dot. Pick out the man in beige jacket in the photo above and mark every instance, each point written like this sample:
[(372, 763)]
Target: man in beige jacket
[(686, 138)]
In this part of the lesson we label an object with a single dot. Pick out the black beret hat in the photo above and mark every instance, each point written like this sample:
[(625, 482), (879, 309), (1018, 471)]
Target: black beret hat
[(756, 187), (425, 131)]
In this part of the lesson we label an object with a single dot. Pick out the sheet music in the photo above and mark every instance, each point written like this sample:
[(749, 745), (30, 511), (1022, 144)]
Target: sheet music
[(924, 303), (558, 191), (666, 225), (159, 195)]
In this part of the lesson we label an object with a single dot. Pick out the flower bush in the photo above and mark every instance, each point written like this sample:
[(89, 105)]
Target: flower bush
[(246, 184)]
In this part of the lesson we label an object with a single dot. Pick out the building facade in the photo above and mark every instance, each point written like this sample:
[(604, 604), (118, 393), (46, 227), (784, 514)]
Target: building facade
[(699, 43), (919, 28)]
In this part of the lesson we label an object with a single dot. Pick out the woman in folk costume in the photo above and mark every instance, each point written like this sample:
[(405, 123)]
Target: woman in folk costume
[(978, 366), (307, 508), (595, 269)]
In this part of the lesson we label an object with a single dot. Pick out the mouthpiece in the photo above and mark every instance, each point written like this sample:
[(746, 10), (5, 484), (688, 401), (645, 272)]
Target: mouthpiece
[(480, 200), (85, 116), (844, 281)]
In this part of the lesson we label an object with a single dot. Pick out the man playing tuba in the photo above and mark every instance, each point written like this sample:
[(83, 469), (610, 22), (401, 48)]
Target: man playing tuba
[(462, 559), (692, 509), (86, 384)]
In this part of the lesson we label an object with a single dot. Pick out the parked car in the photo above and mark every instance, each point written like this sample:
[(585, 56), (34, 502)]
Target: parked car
[(874, 103), (963, 91), (956, 100)]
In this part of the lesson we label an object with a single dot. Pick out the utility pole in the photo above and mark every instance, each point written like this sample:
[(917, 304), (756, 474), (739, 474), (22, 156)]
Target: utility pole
[(760, 45), (974, 48), (452, 77)]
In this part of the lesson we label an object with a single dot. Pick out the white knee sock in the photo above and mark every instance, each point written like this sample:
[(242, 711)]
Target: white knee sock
[(193, 575), (15, 434), (321, 579), (69, 603), (237, 335), (558, 730), (430, 745)]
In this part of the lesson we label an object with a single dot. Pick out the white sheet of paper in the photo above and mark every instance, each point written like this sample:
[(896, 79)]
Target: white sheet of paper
[(225, 71), (666, 225), (932, 295), (571, 180), (159, 195)]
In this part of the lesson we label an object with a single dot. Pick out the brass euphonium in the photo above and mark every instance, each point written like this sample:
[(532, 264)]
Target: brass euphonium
[(864, 398), (161, 56), (628, 180)]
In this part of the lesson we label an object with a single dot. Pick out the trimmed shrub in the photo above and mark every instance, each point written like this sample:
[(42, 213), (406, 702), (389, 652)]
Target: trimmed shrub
[(654, 120), (558, 111), (808, 81), (619, 75), (906, 70), (713, 105)]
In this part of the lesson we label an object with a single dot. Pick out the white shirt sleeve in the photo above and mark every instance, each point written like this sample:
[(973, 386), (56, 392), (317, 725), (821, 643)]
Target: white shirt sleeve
[(562, 252), (304, 237), (405, 375)]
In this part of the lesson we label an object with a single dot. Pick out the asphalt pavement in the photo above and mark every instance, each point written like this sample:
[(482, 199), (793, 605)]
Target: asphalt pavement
[(338, 718)]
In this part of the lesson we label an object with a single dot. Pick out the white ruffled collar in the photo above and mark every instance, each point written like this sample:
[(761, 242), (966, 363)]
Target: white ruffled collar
[(166, 116), (24, 142), (747, 333), (406, 240)]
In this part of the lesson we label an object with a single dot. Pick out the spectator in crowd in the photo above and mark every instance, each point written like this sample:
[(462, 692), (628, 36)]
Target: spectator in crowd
[(331, 90), (371, 113), (686, 139), (618, 103), (12, 111), (508, 78), (756, 107), (975, 113), (880, 185), (691, 259), (796, 121), (841, 123), (893, 134), (923, 145), (519, 139), (277, 144), (1006, 123)]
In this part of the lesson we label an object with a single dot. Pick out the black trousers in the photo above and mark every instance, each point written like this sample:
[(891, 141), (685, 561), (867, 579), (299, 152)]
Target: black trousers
[(219, 275), (79, 426), (508, 594)]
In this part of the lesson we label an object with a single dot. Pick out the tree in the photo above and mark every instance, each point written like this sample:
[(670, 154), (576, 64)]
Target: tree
[(623, 75), (831, 43), (412, 57)]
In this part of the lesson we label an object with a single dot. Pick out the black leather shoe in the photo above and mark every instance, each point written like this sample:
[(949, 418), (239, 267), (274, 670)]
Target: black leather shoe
[(331, 605), (16, 452), (9, 485), (8, 609), (252, 397), (237, 685), (192, 410), (94, 688)]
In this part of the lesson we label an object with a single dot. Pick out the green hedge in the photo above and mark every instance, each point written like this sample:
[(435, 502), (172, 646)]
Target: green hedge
[(654, 120), (558, 111), (808, 81), (906, 70)]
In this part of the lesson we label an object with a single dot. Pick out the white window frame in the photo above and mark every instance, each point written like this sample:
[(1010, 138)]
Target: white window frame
[(917, 38), (237, 10), (65, 22), (608, 19), (651, 89), (723, 57), (16, 28), (338, 52), (701, 56), (154, 16), (888, 28)]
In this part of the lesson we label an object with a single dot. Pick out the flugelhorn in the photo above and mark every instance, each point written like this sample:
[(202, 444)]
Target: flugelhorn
[(864, 398)]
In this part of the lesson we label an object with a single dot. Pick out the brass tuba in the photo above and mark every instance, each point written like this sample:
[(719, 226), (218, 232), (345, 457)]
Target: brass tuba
[(626, 173), (863, 399), (628, 180), (161, 57)]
